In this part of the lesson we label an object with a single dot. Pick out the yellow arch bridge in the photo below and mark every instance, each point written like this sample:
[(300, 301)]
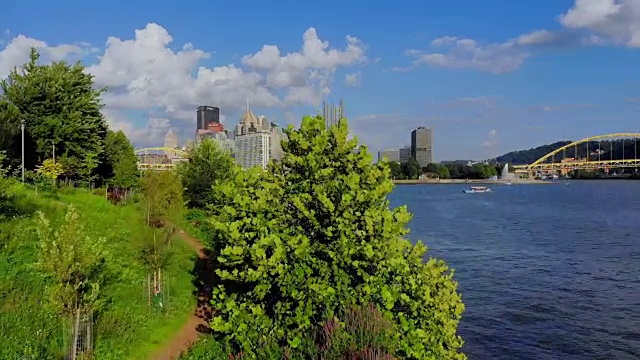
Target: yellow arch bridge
[(567, 158), (159, 158)]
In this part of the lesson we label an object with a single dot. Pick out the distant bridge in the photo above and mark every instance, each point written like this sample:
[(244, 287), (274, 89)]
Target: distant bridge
[(558, 160), (160, 158)]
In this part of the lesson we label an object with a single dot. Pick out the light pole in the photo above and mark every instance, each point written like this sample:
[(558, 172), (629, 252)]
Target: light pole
[(22, 124)]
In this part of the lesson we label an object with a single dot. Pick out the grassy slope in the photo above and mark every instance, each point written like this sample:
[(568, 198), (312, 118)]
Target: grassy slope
[(127, 328)]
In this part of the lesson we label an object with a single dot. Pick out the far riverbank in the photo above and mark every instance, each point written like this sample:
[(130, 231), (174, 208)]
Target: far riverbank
[(465, 181)]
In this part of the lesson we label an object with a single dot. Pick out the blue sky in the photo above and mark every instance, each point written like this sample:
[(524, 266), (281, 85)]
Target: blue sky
[(490, 76)]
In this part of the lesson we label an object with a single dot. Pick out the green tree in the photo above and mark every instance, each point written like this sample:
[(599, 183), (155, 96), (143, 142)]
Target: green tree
[(4, 170), (156, 255), (75, 265), (163, 206), (313, 236), (431, 168), (61, 109), (51, 169), (163, 202), (396, 170), (10, 131), (411, 169), (208, 165), (120, 165)]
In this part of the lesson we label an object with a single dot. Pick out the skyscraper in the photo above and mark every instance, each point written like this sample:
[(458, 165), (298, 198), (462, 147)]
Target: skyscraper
[(332, 114), (249, 123), (389, 155), (205, 115), (275, 142), (252, 150), (171, 140), (252, 140), (422, 145), (405, 154)]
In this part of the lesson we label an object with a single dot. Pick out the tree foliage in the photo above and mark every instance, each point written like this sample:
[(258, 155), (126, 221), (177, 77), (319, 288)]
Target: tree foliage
[(521, 157), (74, 262), (120, 165), (313, 236), (163, 202), (475, 171), (208, 165), (61, 110), (50, 169)]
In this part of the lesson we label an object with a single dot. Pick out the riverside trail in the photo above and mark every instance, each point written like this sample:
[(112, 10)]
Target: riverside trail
[(198, 322)]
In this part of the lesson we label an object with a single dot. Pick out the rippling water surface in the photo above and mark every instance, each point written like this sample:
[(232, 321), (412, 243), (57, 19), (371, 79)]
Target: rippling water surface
[(545, 271)]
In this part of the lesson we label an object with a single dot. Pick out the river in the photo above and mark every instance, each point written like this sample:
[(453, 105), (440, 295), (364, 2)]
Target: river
[(545, 271)]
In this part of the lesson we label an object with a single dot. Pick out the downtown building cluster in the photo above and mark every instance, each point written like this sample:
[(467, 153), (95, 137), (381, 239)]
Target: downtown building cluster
[(421, 149), (253, 142)]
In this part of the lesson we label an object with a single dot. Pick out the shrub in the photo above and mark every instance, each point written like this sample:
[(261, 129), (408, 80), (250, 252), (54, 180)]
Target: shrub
[(313, 236)]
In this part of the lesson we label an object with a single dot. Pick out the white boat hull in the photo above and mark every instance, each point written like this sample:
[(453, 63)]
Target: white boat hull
[(467, 191)]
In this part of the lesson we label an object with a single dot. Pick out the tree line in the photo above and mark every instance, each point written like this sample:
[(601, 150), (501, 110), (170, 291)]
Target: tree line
[(61, 112), (411, 170)]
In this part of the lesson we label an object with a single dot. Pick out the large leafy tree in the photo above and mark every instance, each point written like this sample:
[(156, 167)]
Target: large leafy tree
[(61, 109), (208, 165), (314, 236), (120, 161)]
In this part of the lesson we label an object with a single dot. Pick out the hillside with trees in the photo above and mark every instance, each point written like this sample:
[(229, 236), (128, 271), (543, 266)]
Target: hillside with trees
[(522, 157), (85, 272), (614, 149)]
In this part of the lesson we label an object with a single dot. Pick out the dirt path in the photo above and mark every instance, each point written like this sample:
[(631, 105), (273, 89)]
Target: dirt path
[(198, 322)]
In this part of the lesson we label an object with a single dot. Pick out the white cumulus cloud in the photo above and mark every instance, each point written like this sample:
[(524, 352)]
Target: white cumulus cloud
[(586, 23), (353, 79), (145, 72)]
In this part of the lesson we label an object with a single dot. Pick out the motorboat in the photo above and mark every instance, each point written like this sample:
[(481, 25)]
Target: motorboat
[(476, 189)]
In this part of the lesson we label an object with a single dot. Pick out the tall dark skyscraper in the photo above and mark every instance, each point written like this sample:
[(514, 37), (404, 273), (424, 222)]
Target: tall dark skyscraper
[(206, 115), (422, 145)]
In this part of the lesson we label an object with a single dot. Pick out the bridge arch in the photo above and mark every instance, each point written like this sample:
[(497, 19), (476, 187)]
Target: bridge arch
[(582, 141), (177, 152)]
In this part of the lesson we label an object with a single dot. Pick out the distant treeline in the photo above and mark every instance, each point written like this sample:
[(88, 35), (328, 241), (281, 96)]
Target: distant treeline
[(616, 149), (411, 170)]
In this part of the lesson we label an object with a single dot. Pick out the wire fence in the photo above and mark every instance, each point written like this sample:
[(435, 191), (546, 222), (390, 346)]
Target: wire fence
[(78, 335), (158, 290)]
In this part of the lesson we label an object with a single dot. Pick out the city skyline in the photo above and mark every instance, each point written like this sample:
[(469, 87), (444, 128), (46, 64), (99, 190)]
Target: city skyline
[(488, 83)]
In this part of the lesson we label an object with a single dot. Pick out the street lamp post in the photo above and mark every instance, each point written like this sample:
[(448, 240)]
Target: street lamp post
[(22, 124)]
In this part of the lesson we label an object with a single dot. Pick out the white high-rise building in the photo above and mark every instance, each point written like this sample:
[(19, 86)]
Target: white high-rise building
[(276, 135), (252, 150)]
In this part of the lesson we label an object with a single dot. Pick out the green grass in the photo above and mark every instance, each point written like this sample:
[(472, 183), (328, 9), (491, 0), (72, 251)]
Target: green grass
[(126, 328)]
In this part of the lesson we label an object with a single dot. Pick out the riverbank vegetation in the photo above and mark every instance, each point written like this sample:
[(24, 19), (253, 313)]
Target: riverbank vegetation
[(85, 272), (99, 246), (312, 263), (411, 170)]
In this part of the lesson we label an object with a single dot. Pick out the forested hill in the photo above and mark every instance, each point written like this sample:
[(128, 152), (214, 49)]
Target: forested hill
[(531, 155)]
